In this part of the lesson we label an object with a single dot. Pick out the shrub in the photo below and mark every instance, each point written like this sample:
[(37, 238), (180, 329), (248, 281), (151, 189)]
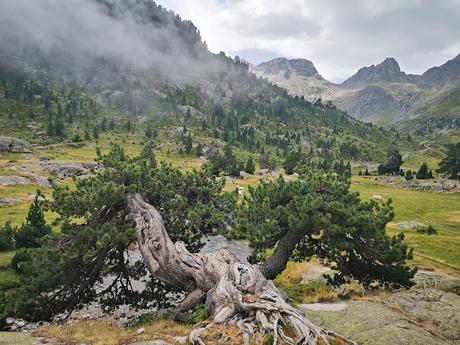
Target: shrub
[(428, 230), (35, 227), (199, 314), (7, 236), (409, 176), (424, 173), (313, 292)]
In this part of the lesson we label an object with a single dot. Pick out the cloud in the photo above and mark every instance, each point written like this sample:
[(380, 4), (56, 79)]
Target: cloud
[(338, 36), (76, 32)]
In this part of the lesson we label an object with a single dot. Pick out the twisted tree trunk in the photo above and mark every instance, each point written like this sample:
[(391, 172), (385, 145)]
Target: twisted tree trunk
[(236, 292)]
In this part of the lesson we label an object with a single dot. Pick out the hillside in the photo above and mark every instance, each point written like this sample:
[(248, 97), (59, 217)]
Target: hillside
[(385, 95), (183, 84)]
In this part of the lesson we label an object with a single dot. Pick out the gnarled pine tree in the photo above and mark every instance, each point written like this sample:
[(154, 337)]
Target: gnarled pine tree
[(167, 212)]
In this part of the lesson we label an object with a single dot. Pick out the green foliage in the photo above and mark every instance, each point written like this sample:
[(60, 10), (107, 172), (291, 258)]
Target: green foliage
[(318, 215), (8, 280), (200, 313), (408, 175), (424, 173), (225, 162), (298, 291), (250, 166), (451, 163), (266, 161), (93, 240), (34, 229), (429, 230), (142, 319), (291, 161), (7, 236), (393, 164), (199, 150)]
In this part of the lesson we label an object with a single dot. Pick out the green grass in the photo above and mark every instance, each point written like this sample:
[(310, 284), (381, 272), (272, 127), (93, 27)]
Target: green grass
[(8, 279), (5, 258), (415, 159), (442, 210)]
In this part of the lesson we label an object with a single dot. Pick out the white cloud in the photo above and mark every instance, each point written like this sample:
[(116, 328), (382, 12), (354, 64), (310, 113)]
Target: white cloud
[(338, 36)]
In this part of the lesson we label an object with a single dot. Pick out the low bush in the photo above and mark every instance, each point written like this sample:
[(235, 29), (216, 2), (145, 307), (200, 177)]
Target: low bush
[(428, 230)]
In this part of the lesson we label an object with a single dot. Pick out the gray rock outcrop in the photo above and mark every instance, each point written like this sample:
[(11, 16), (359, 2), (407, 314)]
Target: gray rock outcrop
[(420, 316), (14, 145), (12, 180), (63, 170), (9, 201)]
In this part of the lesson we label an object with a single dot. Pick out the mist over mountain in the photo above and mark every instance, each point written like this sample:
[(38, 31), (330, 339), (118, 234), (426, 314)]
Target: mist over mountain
[(73, 35), (82, 59)]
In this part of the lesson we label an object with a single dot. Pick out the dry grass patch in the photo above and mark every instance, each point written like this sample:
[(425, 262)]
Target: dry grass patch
[(106, 333)]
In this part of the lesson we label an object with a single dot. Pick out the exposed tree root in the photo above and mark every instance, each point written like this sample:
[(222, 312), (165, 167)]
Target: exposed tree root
[(236, 292)]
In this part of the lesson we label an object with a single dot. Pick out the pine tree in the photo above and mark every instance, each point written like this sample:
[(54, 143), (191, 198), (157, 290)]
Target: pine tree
[(95, 133), (319, 215), (86, 135), (408, 176), (188, 143), (424, 173), (7, 232), (199, 149), (59, 130), (250, 166), (35, 227), (451, 163)]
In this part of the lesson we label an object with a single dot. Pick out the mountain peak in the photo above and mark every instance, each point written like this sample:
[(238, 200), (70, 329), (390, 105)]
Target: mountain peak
[(386, 72), (390, 62), (301, 67)]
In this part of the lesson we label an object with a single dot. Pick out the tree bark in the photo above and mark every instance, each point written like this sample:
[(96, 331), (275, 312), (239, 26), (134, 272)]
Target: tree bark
[(237, 293), (278, 261)]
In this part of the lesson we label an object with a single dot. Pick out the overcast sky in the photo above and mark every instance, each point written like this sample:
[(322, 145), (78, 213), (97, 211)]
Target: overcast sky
[(339, 36)]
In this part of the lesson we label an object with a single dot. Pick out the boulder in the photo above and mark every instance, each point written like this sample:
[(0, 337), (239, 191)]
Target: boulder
[(12, 180), (14, 145), (411, 224), (9, 201), (64, 170), (436, 280), (42, 181), (316, 273)]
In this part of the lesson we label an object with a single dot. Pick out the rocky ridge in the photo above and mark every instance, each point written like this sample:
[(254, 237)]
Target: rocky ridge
[(380, 93)]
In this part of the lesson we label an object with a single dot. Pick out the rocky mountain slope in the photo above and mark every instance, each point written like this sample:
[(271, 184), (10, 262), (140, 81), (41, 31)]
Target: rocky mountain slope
[(299, 76), (143, 64), (382, 93)]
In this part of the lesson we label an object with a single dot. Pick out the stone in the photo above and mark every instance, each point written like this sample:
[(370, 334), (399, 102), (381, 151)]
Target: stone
[(316, 273), (12, 180), (64, 170), (14, 145), (436, 280), (152, 342), (42, 181), (141, 330), (412, 317), (9, 201), (244, 175), (181, 340), (378, 198), (411, 224)]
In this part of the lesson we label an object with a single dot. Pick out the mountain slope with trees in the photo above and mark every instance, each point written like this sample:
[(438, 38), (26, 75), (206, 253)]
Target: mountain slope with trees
[(383, 94)]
